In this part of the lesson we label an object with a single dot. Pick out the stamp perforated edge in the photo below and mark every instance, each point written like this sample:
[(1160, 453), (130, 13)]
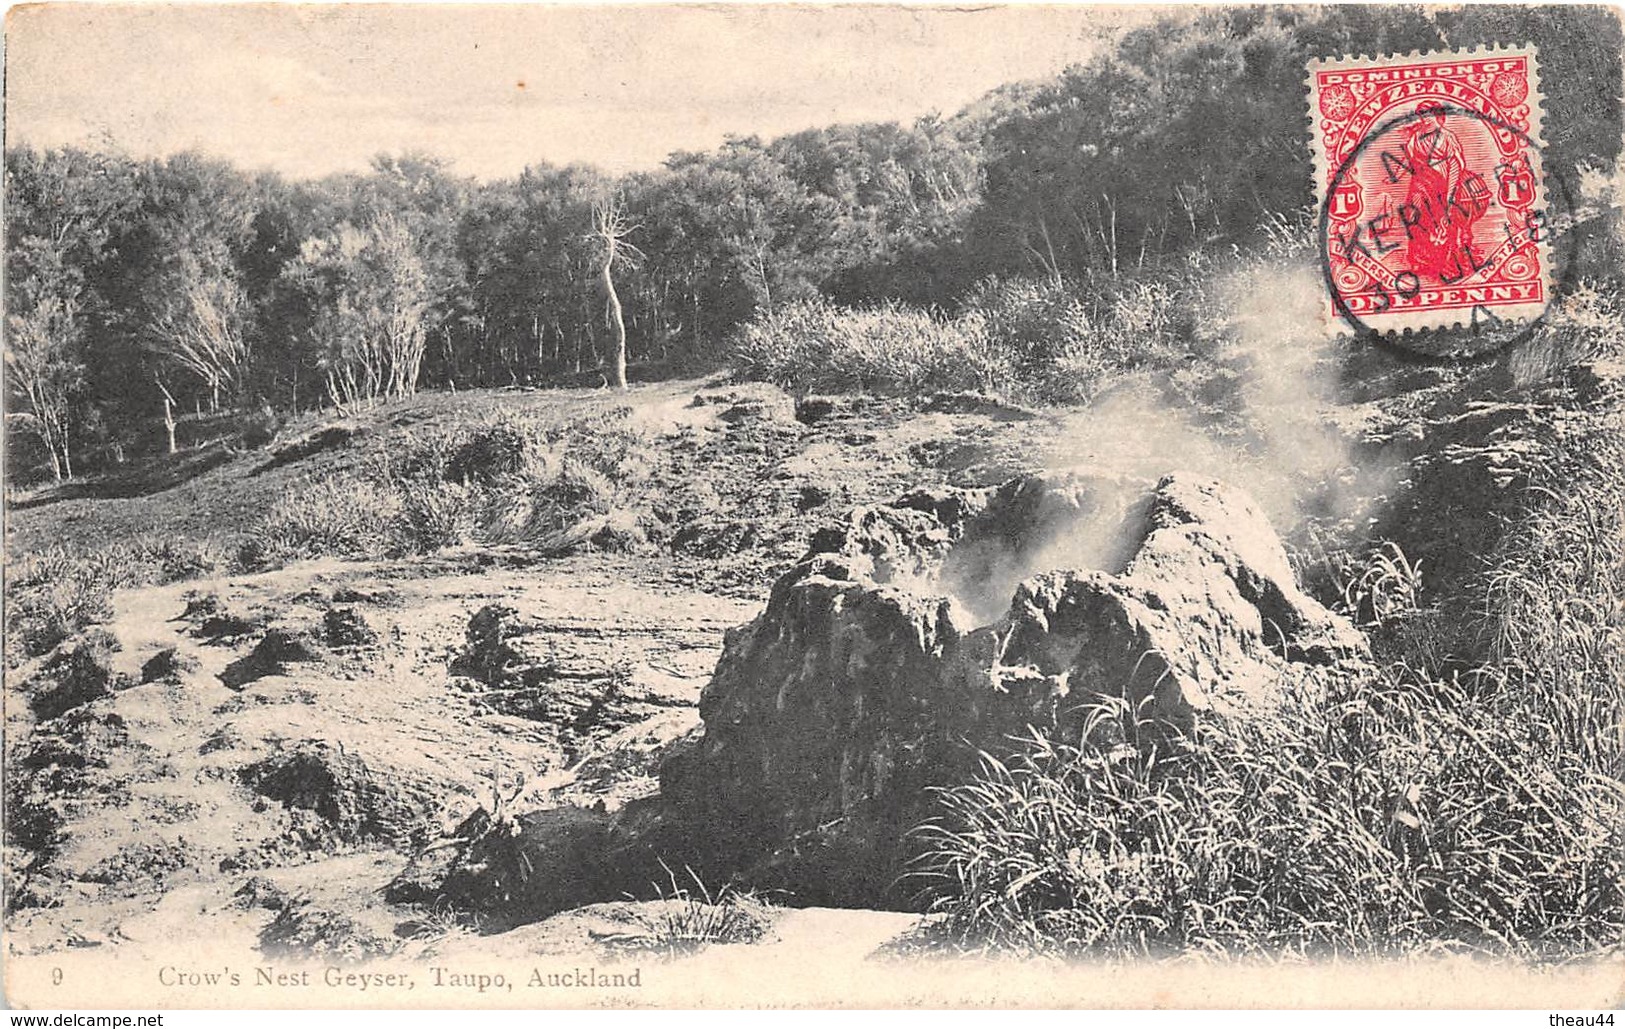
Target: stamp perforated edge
[(1428, 319)]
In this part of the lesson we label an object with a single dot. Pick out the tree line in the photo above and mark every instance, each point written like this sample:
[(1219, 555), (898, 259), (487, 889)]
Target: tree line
[(144, 291)]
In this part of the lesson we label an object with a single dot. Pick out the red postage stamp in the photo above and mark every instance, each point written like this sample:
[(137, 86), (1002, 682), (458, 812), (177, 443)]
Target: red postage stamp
[(1430, 189)]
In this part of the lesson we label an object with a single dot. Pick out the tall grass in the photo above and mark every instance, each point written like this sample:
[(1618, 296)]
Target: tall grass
[(1033, 340), (507, 478), (513, 478), (817, 346), (1390, 818), (335, 516)]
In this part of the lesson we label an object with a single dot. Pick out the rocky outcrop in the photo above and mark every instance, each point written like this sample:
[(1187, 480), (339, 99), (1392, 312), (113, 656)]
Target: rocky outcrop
[(910, 638), (77, 674), (272, 655), (876, 673), (355, 800), (519, 868)]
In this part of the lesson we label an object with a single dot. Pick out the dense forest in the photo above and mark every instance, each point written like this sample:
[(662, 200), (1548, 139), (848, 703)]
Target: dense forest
[(147, 299)]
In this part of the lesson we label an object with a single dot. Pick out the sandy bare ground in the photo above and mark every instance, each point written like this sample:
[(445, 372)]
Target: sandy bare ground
[(167, 824)]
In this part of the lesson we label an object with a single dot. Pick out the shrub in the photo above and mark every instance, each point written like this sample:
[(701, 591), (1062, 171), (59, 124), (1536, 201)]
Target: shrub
[(258, 426), (815, 346), (335, 516)]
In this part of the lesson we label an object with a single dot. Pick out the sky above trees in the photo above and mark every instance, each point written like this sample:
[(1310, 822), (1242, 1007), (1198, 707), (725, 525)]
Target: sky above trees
[(315, 89)]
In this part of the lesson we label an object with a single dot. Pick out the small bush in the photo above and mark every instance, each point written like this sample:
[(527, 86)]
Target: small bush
[(816, 346), (258, 426), (335, 516), (687, 919)]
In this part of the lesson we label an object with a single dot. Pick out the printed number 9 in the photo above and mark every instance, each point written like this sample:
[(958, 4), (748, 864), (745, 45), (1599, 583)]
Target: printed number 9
[(56, 977)]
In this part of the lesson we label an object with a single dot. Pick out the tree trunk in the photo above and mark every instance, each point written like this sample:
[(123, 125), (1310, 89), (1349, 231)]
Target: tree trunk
[(611, 231), (616, 320), (169, 417)]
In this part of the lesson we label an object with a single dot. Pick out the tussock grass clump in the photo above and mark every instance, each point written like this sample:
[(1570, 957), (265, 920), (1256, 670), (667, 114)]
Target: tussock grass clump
[(508, 478), (55, 594), (339, 515), (1062, 340), (687, 919), (515, 478)]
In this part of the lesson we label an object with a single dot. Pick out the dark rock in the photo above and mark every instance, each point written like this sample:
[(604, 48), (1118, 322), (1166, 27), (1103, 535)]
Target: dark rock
[(630, 759), (810, 410), (140, 862), (260, 892), (921, 632), (357, 801), (84, 738), (75, 676), (977, 403), (346, 627), (198, 607), (168, 665), (488, 657), (526, 867), (811, 496), (271, 656), (304, 933), (580, 702), (224, 625), (358, 595)]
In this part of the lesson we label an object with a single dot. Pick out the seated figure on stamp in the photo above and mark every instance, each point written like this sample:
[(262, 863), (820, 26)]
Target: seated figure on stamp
[(1443, 202)]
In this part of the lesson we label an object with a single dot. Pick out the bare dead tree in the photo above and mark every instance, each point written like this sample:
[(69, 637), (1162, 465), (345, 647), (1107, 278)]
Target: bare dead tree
[(609, 231), (201, 328)]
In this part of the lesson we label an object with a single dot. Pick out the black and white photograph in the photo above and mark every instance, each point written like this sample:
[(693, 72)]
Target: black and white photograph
[(573, 506)]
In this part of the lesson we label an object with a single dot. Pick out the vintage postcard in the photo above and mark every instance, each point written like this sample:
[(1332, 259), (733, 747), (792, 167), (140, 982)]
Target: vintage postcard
[(890, 506)]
